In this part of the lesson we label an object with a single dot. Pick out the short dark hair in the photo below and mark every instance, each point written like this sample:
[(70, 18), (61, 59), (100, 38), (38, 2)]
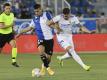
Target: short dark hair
[(6, 4), (66, 11), (103, 13), (36, 6)]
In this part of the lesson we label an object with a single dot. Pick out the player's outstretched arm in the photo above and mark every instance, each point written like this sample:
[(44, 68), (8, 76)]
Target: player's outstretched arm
[(50, 23), (54, 25), (87, 31), (58, 28), (83, 28), (24, 31)]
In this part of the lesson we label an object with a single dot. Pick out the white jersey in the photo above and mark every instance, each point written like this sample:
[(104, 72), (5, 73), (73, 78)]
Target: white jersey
[(65, 37), (66, 25)]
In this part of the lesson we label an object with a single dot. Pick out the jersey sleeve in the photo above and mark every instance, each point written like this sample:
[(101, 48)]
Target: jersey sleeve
[(49, 15), (13, 18), (1, 19), (56, 19), (32, 24), (76, 20)]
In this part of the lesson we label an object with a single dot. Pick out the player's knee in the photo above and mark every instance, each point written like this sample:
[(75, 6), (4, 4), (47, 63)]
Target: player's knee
[(13, 43), (68, 48), (41, 50)]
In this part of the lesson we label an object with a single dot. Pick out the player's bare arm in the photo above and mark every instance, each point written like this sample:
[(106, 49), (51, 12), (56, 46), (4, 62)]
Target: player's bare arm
[(50, 23), (83, 28), (58, 28), (24, 31), (55, 26), (3, 26)]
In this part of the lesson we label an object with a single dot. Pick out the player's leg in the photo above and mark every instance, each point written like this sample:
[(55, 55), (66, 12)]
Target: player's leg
[(68, 45), (64, 42), (14, 53), (49, 51), (77, 58), (50, 71), (67, 55), (1, 46), (12, 42), (2, 41), (41, 49)]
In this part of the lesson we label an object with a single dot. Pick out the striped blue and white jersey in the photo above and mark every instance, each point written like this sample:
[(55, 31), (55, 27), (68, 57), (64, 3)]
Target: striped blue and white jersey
[(42, 30)]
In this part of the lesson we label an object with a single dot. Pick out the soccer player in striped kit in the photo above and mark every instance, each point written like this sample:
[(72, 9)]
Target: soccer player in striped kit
[(45, 37)]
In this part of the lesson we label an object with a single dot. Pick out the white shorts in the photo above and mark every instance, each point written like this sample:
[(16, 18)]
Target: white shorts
[(65, 40)]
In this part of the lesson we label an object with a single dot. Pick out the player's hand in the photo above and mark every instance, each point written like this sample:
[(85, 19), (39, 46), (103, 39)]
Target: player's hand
[(59, 31), (92, 32), (1, 25)]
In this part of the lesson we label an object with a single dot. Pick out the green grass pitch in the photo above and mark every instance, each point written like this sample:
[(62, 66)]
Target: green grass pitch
[(70, 71)]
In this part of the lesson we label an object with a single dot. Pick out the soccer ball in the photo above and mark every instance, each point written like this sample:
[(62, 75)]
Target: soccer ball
[(36, 72)]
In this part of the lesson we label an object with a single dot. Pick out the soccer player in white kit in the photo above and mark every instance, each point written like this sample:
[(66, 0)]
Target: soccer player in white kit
[(65, 22)]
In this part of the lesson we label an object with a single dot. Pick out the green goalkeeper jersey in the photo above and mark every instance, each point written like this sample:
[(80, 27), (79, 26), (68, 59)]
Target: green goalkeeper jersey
[(7, 20)]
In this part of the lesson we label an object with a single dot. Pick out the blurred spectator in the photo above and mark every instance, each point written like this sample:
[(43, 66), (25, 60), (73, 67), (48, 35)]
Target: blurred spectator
[(74, 10), (83, 3), (24, 8), (75, 3), (80, 15), (92, 14), (82, 6), (102, 23), (24, 12)]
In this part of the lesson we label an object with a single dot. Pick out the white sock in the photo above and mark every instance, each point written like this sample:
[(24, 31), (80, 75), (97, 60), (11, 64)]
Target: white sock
[(66, 56), (76, 57)]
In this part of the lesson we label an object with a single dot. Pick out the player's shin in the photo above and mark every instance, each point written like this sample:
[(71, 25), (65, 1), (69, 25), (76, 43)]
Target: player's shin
[(76, 57), (44, 60), (61, 58), (65, 56), (14, 54), (44, 65)]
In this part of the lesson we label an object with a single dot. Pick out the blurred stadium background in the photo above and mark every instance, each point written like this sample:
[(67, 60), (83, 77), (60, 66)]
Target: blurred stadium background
[(92, 14), (89, 11)]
